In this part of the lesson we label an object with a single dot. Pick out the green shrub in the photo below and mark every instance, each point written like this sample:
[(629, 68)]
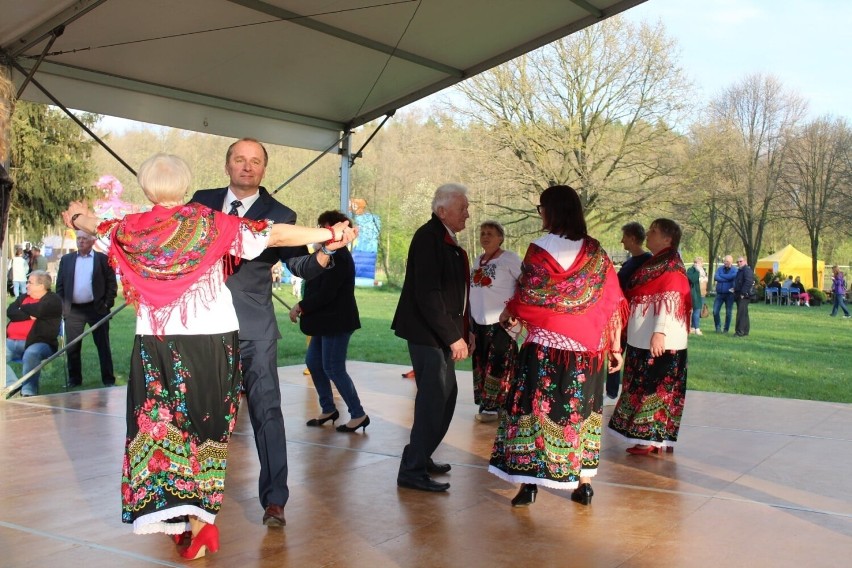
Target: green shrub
[(817, 294)]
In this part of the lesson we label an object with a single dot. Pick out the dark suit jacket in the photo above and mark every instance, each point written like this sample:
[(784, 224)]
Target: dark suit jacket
[(329, 307), (251, 283), (104, 286), (432, 308)]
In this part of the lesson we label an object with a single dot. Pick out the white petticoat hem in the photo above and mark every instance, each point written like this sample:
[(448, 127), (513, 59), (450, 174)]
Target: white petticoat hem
[(563, 485), (621, 437), (156, 522)]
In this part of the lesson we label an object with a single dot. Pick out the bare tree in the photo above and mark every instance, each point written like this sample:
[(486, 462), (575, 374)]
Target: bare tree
[(816, 178), (757, 115), (593, 110)]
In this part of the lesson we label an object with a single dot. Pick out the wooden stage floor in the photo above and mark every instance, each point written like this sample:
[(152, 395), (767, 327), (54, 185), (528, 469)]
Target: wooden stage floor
[(754, 482)]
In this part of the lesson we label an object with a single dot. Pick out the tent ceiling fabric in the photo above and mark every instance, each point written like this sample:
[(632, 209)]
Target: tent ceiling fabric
[(292, 72)]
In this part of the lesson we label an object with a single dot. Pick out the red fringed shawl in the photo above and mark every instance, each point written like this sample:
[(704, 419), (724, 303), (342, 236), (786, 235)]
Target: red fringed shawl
[(661, 282), (161, 254), (583, 303)]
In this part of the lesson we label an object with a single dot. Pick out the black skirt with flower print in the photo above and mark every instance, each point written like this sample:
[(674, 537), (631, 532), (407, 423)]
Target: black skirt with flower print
[(182, 402)]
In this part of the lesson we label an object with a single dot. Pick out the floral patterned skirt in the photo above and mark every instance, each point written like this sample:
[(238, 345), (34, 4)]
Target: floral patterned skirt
[(493, 365), (182, 401), (651, 403), (550, 433)]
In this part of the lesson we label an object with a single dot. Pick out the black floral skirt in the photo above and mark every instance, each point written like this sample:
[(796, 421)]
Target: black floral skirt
[(493, 365), (182, 401), (652, 398), (550, 433)]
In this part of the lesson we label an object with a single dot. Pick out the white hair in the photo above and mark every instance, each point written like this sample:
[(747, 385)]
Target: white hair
[(446, 193)]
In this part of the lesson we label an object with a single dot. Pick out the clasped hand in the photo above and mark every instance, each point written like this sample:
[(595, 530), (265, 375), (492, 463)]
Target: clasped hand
[(343, 235)]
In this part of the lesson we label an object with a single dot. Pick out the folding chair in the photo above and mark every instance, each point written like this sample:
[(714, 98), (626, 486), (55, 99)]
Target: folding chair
[(772, 294)]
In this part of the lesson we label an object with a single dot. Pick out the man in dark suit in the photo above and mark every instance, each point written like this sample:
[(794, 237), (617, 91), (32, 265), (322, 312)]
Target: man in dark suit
[(251, 288), (432, 316), (86, 283), (743, 283)]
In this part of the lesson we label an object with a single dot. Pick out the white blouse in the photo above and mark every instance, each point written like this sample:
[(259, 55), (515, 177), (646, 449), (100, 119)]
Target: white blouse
[(641, 326), (492, 285)]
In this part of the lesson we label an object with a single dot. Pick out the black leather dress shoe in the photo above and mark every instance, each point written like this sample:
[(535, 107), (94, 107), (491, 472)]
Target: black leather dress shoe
[(423, 483), (273, 516), (435, 467)]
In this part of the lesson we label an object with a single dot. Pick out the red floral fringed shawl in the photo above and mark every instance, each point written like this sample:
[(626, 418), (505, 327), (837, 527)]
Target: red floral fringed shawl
[(161, 254), (661, 281), (583, 303)]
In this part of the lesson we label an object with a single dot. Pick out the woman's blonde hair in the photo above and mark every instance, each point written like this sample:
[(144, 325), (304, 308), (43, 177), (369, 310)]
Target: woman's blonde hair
[(165, 178)]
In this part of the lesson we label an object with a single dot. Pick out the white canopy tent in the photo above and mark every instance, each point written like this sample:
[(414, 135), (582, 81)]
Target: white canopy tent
[(293, 72)]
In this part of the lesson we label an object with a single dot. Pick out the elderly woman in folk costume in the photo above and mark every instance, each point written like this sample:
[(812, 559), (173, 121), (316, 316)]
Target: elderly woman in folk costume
[(572, 306), (649, 411), (184, 386)]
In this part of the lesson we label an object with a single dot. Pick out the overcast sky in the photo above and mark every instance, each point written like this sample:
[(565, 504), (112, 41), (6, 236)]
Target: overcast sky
[(805, 43)]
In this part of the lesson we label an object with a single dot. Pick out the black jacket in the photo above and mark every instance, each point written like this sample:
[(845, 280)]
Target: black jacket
[(744, 282), (48, 314), (433, 308), (251, 282), (329, 307), (104, 285)]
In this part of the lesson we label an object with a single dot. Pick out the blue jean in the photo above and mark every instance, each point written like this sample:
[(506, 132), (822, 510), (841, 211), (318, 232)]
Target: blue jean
[(839, 302), (728, 299), (32, 356), (19, 287), (696, 315), (326, 360)]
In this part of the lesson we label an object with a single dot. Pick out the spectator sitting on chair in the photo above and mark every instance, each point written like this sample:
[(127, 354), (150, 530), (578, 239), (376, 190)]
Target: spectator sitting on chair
[(34, 321), (800, 288)]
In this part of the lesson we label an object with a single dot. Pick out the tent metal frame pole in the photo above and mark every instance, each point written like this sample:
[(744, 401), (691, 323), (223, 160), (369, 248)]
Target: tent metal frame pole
[(54, 34), (345, 167), (73, 117)]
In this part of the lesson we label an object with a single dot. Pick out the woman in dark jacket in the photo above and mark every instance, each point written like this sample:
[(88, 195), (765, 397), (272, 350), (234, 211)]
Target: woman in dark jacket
[(34, 321), (328, 313)]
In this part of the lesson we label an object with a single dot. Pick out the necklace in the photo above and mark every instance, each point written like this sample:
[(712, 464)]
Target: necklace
[(486, 259)]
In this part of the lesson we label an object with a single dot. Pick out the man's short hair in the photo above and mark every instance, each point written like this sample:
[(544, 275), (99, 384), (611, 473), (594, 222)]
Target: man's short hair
[(262, 147), (636, 230)]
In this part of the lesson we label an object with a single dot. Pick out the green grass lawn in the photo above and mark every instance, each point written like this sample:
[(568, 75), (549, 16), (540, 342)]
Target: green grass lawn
[(792, 352)]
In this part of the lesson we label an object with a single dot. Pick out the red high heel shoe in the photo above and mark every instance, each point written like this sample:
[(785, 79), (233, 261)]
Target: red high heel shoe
[(206, 539), (643, 450)]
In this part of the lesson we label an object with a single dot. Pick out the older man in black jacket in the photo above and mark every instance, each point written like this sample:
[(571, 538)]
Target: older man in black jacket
[(251, 288), (432, 315), (87, 285), (743, 284)]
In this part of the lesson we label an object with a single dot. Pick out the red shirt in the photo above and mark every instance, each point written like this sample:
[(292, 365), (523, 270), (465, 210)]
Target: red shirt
[(19, 330)]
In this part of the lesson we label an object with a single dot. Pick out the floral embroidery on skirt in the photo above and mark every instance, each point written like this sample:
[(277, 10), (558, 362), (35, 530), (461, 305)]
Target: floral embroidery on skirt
[(550, 433), (493, 365), (182, 400), (651, 403)]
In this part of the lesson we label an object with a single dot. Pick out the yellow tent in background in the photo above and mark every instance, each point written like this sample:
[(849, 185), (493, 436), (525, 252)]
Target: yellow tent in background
[(791, 262)]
